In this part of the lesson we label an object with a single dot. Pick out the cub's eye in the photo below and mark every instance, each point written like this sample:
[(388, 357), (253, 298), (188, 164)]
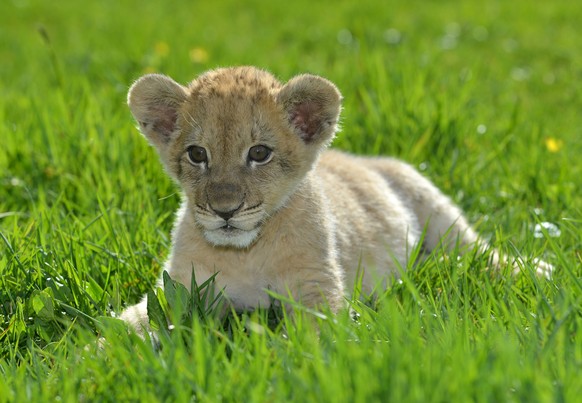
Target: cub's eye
[(260, 154), (197, 155)]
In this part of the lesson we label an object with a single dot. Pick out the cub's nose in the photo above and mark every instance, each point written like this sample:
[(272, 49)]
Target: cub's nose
[(225, 199), (225, 215)]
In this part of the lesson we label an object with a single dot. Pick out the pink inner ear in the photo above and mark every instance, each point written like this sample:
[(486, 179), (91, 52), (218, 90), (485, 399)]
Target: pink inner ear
[(304, 117), (165, 118)]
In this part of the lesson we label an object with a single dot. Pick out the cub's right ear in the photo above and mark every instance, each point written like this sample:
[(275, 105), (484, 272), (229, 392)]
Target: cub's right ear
[(312, 105), (154, 101)]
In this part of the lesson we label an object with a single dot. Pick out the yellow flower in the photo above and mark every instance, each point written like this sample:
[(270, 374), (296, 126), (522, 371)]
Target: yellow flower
[(161, 49), (554, 145), (198, 55)]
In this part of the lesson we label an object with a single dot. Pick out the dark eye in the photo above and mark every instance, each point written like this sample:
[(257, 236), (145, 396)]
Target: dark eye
[(197, 155), (259, 154)]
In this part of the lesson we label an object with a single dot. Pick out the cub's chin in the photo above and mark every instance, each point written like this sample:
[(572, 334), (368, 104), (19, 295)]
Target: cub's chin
[(231, 236)]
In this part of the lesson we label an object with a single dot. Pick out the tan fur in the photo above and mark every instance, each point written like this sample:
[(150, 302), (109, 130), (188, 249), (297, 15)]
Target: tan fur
[(304, 221)]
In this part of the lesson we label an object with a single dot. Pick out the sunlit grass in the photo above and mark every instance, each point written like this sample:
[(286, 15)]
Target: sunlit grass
[(481, 97)]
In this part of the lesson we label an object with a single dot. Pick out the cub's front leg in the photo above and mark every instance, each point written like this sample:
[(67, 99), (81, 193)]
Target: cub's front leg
[(313, 286), (316, 287)]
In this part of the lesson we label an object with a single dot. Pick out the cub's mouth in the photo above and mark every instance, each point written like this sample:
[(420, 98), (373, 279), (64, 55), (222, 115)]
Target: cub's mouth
[(232, 229), (228, 228), (240, 231), (229, 235), (237, 230)]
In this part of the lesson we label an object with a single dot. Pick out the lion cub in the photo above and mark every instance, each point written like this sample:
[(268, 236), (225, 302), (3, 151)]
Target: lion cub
[(267, 207)]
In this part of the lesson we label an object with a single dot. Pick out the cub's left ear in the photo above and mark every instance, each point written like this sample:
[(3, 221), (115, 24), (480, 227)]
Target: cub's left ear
[(154, 101), (312, 105)]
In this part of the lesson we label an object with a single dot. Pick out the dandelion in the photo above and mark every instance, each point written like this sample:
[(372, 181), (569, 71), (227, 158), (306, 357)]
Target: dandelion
[(554, 145), (392, 36), (546, 227), (161, 49), (198, 55), (344, 36), (520, 73)]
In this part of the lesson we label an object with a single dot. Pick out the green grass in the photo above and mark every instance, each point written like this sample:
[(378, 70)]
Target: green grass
[(483, 97)]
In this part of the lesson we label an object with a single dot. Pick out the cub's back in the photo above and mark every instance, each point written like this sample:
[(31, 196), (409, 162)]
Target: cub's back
[(374, 224)]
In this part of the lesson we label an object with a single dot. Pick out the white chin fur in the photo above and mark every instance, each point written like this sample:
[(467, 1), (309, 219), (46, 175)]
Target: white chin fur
[(237, 239)]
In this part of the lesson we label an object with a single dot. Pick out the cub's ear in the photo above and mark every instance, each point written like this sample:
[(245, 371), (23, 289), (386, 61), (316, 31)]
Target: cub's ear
[(154, 101), (312, 105)]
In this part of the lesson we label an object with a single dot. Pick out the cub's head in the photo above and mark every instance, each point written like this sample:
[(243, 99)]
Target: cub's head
[(237, 141)]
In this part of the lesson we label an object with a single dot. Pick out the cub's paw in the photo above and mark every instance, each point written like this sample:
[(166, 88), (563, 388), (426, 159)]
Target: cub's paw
[(136, 316)]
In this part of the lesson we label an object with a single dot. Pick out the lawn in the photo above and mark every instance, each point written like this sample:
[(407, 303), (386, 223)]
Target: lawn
[(484, 97)]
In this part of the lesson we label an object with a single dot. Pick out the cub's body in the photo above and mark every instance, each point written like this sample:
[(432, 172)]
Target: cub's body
[(266, 207)]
